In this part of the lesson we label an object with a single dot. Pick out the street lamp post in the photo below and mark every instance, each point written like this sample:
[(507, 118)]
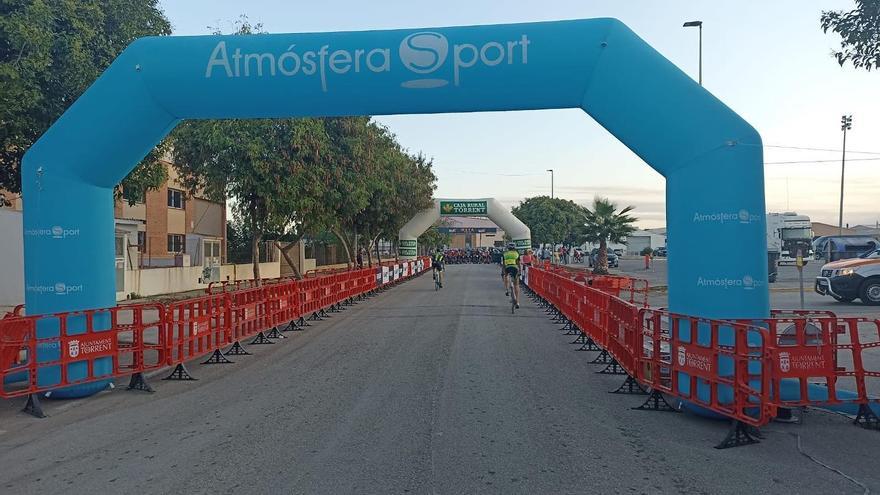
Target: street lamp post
[(845, 125), (698, 24), (551, 182)]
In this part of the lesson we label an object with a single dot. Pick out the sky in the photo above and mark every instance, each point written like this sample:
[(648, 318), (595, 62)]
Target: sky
[(767, 60)]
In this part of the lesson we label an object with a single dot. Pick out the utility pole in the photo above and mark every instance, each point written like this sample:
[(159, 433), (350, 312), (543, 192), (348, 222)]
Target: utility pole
[(845, 125), (698, 24), (551, 182)]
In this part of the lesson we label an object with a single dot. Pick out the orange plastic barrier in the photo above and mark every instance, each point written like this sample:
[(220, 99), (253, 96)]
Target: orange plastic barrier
[(720, 365), (282, 303), (740, 369), (121, 340), (195, 327), (655, 348), (825, 357), (133, 339)]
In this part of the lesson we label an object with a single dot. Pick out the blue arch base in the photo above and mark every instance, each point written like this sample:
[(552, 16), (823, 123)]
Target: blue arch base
[(711, 158)]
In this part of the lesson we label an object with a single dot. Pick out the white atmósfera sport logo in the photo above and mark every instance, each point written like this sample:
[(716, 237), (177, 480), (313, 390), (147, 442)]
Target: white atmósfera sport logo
[(422, 53), (56, 232)]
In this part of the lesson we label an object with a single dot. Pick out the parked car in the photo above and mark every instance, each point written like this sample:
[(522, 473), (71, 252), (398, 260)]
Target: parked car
[(848, 279), (660, 252), (618, 252), (613, 260)]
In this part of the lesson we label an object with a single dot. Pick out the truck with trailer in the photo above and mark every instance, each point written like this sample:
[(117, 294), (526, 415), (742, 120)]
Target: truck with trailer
[(788, 233)]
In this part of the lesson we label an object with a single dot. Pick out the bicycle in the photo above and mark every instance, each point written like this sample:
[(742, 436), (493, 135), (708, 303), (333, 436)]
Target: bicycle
[(512, 292), (438, 282)]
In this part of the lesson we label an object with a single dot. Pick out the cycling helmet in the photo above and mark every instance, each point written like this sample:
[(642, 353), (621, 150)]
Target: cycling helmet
[(511, 245)]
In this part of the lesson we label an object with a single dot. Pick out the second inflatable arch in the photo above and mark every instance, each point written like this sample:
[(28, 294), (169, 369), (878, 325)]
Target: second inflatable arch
[(490, 208)]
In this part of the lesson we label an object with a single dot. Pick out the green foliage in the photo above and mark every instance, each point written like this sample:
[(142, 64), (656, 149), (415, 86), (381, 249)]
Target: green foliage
[(432, 238), (269, 167), (238, 246), (50, 52), (552, 220), (373, 185), (603, 224), (859, 30), (647, 251)]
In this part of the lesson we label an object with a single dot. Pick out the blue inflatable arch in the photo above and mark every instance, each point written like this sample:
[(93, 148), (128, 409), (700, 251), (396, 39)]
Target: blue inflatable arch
[(711, 158)]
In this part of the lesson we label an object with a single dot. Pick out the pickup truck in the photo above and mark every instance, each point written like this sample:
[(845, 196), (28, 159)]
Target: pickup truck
[(847, 280)]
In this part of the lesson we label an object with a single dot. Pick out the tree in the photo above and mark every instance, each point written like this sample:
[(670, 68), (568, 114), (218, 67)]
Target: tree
[(238, 239), (859, 31), (373, 186), (552, 220), (271, 168), (50, 53), (603, 224), (403, 186), (345, 169), (432, 238), (267, 166)]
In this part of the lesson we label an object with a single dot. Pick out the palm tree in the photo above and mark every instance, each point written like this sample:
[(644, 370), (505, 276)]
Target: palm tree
[(604, 223)]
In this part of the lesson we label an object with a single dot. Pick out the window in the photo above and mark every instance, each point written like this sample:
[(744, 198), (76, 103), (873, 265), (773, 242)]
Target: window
[(133, 196), (175, 243), (120, 246), (795, 233), (175, 198), (212, 249)]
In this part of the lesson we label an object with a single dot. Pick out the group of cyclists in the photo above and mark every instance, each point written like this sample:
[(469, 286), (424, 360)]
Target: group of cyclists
[(510, 259), (477, 256)]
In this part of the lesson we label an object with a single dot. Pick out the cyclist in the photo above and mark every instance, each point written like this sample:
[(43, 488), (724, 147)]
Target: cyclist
[(510, 262), (437, 264)]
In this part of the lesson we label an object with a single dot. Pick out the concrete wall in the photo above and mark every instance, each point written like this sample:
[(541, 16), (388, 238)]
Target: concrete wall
[(11, 259), (158, 281)]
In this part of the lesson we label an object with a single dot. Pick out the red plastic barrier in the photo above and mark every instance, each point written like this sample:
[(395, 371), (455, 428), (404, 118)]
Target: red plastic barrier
[(17, 311), (827, 351), (282, 302), (623, 335), (132, 338), (310, 299), (654, 347), (730, 378), (145, 337), (15, 334), (195, 327)]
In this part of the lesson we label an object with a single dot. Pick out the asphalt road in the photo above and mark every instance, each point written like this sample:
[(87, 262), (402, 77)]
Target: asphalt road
[(413, 391)]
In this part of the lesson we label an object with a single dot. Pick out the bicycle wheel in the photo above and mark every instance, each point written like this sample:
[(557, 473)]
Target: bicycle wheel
[(512, 294)]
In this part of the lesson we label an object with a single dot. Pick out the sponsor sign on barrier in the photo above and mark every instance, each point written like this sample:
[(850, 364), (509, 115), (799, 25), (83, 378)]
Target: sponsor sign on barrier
[(89, 345)]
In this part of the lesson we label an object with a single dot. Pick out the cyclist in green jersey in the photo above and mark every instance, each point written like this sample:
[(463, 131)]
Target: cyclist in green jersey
[(437, 263), (510, 262)]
